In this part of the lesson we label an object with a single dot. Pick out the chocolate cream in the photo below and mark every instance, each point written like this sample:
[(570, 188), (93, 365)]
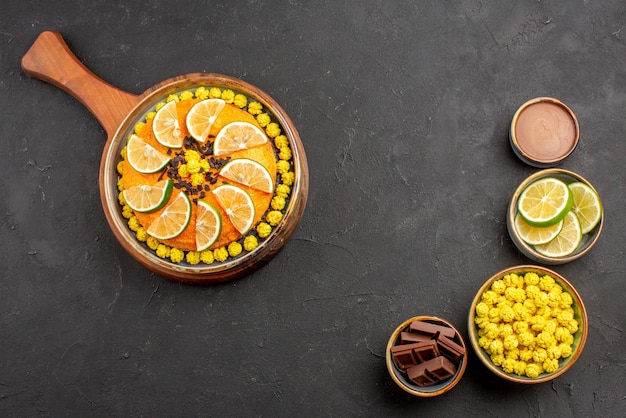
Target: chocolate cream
[(545, 131)]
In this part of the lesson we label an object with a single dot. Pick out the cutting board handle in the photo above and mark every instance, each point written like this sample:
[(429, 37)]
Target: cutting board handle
[(50, 59)]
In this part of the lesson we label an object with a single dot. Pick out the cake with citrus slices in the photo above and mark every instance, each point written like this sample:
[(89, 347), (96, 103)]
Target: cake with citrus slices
[(205, 176)]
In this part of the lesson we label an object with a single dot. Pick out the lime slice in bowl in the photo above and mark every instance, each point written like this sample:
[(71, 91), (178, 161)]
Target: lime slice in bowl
[(535, 235), (566, 242), (586, 205), (545, 202)]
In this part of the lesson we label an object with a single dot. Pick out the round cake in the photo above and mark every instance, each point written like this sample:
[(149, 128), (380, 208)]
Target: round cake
[(205, 176)]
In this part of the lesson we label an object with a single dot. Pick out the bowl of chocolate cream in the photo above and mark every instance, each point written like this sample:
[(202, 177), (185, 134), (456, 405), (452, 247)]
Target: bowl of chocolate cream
[(544, 132)]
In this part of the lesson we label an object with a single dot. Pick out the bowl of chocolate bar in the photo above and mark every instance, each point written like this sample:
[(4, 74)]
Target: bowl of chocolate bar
[(426, 356)]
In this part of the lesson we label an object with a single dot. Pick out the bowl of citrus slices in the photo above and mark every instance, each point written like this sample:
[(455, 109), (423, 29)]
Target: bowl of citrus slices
[(555, 216)]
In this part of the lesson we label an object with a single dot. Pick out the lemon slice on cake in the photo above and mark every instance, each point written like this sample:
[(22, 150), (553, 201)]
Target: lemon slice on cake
[(146, 198), (208, 225), (249, 173), (237, 204), (143, 157), (166, 127), (202, 116), (237, 136), (173, 220)]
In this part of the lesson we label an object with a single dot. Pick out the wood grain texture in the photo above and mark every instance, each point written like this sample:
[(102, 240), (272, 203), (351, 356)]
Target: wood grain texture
[(50, 59)]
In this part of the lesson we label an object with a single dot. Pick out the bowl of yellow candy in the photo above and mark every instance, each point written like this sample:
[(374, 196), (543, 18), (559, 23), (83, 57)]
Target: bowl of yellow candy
[(528, 324)]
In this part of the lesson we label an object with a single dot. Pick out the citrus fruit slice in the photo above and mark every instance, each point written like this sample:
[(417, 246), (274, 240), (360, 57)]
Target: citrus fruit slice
[(146, 198), (237, 136), (208, 225), (166, 128), (237, 204), (174, 219), (202, 116), (566, 242), (249, 173), (545, 202), (533, 235), (143, 157), (586, 206)]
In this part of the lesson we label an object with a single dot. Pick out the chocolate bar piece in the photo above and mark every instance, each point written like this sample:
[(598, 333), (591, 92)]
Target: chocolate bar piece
[(413, 337), (431, 329), (425, 350), (419, 376), (403, 356), (408, 355), (431, 371), (441, 367), (450, 349)]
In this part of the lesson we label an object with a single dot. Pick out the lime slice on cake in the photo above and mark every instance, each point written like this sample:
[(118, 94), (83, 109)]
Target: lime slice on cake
[(566, 242), (166, 128), (174, 219), (208, 225), (202, 116), (237, 136), (237, 204), (587, 206), (534, 235), (146, 198), (249, 173), (143, 157), (545, 202)]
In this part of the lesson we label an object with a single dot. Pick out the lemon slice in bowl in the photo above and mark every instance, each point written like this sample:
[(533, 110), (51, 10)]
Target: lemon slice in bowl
[(146, 198), (143, 157), (587, 206), (237, 204), (202, 116), (545, 202), (236, 136), (534, 235), (173, 220), (249, 173), (208, 225), (566, 242), (166, 127)]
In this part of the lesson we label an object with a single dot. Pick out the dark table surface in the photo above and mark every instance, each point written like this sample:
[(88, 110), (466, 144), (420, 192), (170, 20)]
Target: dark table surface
[(404, 109)]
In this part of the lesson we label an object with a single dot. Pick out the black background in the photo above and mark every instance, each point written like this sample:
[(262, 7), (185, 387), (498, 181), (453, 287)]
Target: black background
[(403, 108)]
